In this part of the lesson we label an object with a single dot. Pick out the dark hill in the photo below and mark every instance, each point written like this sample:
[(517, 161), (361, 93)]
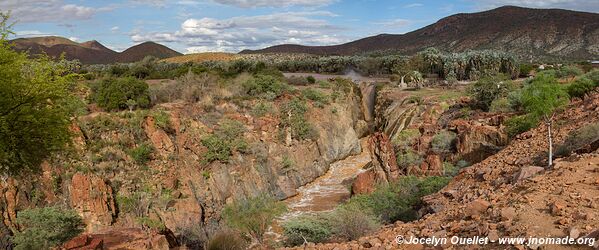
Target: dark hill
[(91, 52), (523, 31)]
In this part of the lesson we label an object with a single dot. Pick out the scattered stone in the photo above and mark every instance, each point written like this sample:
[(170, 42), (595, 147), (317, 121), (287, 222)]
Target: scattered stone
[(508, 213), (476, 208), (557, 207), (574, 233), (527, 172)]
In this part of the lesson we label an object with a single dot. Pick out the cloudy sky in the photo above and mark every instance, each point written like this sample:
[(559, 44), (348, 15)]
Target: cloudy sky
[(232, 25)]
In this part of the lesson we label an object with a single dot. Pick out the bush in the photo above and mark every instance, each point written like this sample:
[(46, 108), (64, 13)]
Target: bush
[(405, 138), (253, 216), (297, 81), (45, 228), (226, 240), (568, 71), (400, 200), (408, 159), (580, 87), (113, 93), (263, 85), (350, 223), (525, 69), (489, 88), (318, 97), (443, 142), (308, 228), (501, 105), (293, 116), (226, 139), (520, 124), (261, 109), (311, 79), (579, 139), (142, 153)]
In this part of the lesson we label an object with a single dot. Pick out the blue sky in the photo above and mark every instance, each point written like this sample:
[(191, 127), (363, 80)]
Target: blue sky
[(232, 25)]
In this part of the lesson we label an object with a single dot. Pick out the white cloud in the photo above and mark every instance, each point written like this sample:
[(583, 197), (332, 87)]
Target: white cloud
[(31, 33), (250, 32), (582, 5), (413, 5), (394, 23), (75, 39), (37, 11), (114, 29), (274, 3)]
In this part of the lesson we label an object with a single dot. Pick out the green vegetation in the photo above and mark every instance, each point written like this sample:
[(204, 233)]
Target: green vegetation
[(227, 138), (579, 139), (45, 228), (293, 116), (584, 84), (488, 89), (264, 85), (34, 107), (115, 93), (400, 200), (142, 153), (309, 228), (443, 142), (568, 71), (409, 158), (320, 99), (253, 216)]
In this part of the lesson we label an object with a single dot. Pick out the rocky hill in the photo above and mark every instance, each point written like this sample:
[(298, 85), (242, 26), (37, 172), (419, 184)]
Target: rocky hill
[(536, 33), (91, 52), (506, 195)]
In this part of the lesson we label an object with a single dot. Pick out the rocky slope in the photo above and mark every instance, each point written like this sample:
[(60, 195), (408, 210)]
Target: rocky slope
[(538, 33), (91, 52), (510, 194)]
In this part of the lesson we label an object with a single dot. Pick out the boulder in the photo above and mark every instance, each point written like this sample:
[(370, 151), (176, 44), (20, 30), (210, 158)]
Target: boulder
[(160, 140), (476, 208)]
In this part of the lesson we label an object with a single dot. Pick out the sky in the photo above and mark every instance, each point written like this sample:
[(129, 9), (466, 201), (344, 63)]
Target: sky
[(191, 26)]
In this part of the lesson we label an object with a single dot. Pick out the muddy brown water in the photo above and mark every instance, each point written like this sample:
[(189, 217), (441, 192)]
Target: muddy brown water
[(326, 192)]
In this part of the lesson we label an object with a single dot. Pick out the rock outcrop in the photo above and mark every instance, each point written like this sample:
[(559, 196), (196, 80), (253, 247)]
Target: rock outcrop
[(93, 199)]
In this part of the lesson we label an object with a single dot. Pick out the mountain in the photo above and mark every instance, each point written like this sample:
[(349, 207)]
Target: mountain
[(538, 33), (91, 52)]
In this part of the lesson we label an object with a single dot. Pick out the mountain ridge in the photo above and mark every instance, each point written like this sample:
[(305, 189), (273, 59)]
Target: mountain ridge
[(544, 33), (90, 52)]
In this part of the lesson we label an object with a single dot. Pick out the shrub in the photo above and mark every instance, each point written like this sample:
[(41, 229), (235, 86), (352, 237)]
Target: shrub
[(569, 71), (311, 79), (443, 142), (226, 139), (350, 223), (579, 139), (400, 200), (580, 87), (308, 228), (142, 153), (489, 88), (45, 228), (152, 224), (318, 97), (408, 159), (264, 84), (226, 240), (520, 124), (261, 109), (253, 216), (293, 116), (405, 138), (501, 105), (525, 69), (113, 93), (297, 81)]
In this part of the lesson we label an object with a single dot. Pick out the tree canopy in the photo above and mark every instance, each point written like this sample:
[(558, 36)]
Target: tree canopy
[(34, 118)]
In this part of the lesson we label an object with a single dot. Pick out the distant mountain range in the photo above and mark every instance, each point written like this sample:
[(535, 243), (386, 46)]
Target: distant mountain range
[(91, 52), (528, 33)]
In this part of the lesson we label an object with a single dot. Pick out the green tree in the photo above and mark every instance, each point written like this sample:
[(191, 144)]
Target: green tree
[(34, 117), (44, 228), (488, 89), (115, 93), (541, 99)]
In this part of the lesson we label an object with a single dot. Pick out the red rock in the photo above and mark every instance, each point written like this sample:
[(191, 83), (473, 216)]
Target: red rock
[(557, 207), (92, 198), (527, 172), (476, 208), (364, 183), (77, 242)]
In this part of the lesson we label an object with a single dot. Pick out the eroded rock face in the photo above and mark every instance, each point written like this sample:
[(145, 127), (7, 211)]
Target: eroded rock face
[(128, 238), (476, 141), (93, 199), (160, 139)]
